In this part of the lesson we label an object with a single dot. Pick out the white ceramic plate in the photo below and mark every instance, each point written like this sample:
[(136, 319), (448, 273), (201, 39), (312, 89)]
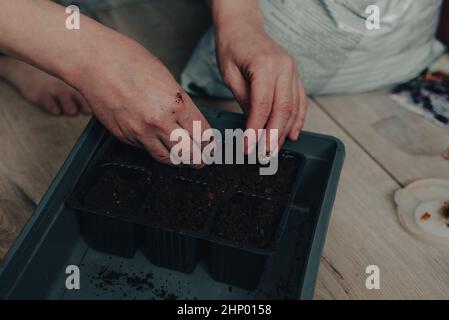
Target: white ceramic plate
[(419, 207)]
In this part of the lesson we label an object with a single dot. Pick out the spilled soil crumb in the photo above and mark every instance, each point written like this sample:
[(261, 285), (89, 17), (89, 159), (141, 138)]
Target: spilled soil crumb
[(444, 211), (112, 281)]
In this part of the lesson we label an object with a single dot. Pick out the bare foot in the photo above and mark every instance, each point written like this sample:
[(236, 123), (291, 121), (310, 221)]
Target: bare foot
[(49, 93)]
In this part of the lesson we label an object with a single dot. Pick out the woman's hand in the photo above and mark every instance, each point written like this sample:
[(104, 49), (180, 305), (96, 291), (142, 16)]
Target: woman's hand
[(127, 88), (134, 95), (262, 76)]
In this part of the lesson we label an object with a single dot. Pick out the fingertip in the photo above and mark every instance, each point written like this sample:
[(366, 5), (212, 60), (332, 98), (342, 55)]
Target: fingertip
[(250, 141), (51, 106), (198, 166), (82, 103), (245, 147), (68, 106), (55, 111), (296, 135), (86, 111), (71, 113)]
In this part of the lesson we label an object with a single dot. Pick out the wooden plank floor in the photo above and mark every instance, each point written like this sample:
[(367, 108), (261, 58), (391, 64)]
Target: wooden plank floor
[(33, 145), (365, 231), (405, 148), (405, 145), (386, 149)]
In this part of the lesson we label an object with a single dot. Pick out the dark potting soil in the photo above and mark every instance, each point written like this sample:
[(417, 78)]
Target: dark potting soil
[(117, 189), (247, 179), (118, 152), (239, 178), (113, 281), (180, 205), (243, 206), (249, 221)]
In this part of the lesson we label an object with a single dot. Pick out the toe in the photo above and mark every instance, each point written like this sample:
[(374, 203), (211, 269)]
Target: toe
[(50, 105), (68, 105), (82, 103)]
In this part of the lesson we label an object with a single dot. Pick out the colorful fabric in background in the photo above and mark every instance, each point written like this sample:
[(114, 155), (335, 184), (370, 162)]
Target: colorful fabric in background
[(428, 94)]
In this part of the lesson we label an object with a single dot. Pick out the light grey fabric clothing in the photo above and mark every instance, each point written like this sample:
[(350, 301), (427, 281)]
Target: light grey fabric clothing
[(334, 50)]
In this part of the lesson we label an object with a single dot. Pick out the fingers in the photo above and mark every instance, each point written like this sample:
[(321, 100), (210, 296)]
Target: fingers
[(67, 104), (299, 122), (287, 112), (81, 102), (193, 121), (173, 137), (123, 134), (50, 104), (261, 95), (297, 106), (238, 85), (296, 103), (284, 110), (183, 149), (157, 149), (168, 136)]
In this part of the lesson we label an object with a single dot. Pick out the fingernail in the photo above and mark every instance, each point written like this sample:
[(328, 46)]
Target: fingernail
[(251, 148), (296, 135), (251, 143), (274, 142), (274, 152)]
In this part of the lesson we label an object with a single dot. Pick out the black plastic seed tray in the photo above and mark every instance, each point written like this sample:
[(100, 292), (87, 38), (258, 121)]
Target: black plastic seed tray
[(58, 236), (179, 210)]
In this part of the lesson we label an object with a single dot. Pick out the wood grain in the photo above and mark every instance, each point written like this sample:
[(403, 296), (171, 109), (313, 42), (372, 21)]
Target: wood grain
[(406, 145), (33, 146), (364, 230)]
